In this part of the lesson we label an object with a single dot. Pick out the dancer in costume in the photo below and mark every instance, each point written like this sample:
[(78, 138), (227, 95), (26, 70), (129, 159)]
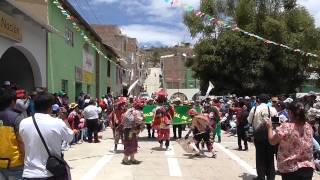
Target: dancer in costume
[(163, 115), (214, 118), (133, 124), (115, 120), (201, 129)]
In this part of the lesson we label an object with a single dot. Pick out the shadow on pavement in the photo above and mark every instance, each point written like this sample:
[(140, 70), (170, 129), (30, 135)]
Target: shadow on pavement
[(193, 156), (158, 149), (246, 176), (87, 157), (117, 151), (147, 139)]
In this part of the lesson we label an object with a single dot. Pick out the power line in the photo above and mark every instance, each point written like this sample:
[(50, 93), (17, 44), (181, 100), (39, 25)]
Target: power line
[(93, 12)]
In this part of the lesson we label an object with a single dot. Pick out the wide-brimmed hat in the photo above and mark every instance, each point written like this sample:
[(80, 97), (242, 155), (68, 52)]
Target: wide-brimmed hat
[(73, 105), (6, 83), (288, 100)]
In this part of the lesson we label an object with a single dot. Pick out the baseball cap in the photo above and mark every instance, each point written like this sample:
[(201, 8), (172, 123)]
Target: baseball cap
[(6, 83)]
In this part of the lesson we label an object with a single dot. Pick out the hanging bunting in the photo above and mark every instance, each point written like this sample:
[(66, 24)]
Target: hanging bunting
[(83, 35), (228, 23)]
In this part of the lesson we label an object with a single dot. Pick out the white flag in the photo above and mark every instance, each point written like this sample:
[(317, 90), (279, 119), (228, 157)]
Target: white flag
[(133, 86), (209, 88)]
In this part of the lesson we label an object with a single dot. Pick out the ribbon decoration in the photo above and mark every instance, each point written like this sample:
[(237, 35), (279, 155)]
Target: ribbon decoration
[(230, 24), (83, 34)]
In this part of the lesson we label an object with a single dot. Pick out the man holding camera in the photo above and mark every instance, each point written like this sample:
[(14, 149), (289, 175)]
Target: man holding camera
[(264, 151), (53, 130)]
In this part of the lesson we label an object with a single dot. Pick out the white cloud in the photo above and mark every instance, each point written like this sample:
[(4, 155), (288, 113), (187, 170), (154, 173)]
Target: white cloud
[(151, 33), (105, 1), (154, 10), (313, 6)]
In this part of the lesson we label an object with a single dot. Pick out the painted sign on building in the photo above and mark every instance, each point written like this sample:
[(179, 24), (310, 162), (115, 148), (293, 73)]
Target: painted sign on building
[(10, 28), (88, 60), (88, 77)]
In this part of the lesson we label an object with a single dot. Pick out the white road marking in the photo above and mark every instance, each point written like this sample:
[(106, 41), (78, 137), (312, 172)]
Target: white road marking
[(241, 162), (173, 164), (174, 168), (94, 171)]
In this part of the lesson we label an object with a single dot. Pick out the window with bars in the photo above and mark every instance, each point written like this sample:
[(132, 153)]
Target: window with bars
[(69, 37)]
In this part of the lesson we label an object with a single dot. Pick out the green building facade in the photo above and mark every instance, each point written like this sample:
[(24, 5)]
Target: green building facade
[(73, 65), (190, 81)]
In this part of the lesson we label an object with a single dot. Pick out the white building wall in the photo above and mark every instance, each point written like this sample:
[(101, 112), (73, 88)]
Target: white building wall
[(33, 46)]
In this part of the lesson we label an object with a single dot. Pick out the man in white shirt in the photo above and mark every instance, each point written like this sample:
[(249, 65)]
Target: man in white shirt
[(264, 151), (91, 114), (53, 130)]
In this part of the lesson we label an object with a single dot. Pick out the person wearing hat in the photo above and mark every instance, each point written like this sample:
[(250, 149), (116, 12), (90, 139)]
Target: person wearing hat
[(177, 102), (22, 103), (264, 150), (74, 120), (6, 85), (115, 120), (55, 110), (201, 129), (214, 117), (163, 115), (151, 131), (133, 124)]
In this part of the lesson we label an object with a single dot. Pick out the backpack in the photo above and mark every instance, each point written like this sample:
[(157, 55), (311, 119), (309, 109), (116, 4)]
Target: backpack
[(10, 155), (128, 120)]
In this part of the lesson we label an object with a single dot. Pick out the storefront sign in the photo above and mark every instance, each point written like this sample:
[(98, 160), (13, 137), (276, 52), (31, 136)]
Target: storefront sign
[(10, 28), (88, 77)]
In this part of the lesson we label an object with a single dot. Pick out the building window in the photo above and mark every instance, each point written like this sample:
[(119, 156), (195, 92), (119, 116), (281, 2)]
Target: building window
[(64, 85), (108, 90), (109, 69), (69, 37), (88, 89)]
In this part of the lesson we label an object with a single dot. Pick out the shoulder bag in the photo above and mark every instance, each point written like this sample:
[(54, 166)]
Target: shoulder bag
[(55, 164)]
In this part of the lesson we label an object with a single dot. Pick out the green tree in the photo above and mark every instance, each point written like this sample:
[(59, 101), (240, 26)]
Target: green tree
[(236, 63), (155, 58)]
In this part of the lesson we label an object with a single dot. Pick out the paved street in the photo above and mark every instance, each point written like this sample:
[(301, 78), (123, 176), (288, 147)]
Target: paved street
[(152, 82), (97, 161)]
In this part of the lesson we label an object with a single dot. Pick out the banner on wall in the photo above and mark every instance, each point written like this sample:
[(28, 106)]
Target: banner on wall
[(88, 60)]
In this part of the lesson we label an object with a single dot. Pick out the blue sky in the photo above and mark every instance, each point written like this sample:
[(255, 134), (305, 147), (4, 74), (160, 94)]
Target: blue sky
[(152, 21)]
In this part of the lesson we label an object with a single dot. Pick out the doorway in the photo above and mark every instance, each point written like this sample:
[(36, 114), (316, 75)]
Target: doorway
[(15, 67), (78, 89)]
